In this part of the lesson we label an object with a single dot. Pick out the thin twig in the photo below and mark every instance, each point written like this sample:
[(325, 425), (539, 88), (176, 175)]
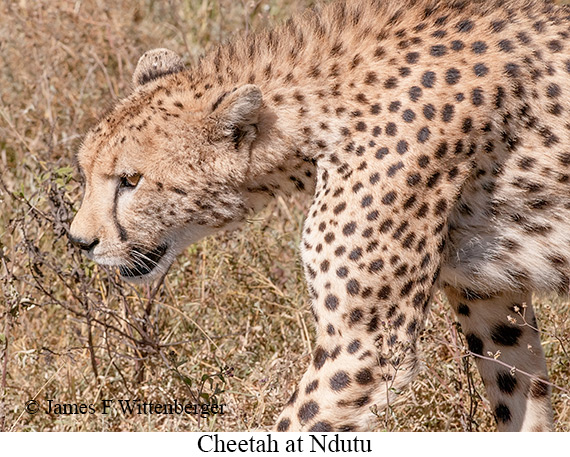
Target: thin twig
[(512, 368)]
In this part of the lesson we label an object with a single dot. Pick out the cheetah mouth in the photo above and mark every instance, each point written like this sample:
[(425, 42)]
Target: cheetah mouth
[(143, 262)]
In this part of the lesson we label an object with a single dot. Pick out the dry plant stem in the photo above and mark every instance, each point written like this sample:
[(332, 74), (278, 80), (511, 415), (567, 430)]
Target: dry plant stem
[(463, 364), (552, 335), (180, 376), (111, 354), (36, 396), (151, 294), (512, 368), (7, 327), (90, 345), (178, 26), (4, 373), (472, 394), (457, 357)]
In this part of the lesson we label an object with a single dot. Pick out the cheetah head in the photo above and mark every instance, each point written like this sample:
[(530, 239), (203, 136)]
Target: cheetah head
[(165, 168)]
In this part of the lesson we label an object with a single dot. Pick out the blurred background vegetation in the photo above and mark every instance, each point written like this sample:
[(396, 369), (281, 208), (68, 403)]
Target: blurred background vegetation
[(231, 323)]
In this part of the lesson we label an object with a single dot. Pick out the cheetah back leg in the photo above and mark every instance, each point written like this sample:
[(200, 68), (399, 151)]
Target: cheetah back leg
[(505, 322)]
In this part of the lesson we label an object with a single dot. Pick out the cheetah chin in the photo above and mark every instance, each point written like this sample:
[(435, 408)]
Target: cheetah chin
[(143, 262), (145, 265)]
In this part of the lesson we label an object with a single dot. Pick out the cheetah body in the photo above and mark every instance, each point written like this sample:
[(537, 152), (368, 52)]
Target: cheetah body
[(434, 138)]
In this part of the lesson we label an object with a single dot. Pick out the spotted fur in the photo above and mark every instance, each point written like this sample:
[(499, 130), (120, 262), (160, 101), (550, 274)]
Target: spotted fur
[(434, 139)]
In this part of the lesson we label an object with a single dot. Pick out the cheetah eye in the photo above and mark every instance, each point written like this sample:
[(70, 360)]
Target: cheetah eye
[(129, 181)]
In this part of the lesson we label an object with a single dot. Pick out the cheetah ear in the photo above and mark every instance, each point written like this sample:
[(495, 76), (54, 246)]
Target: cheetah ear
[(237, 113), (155, 64)]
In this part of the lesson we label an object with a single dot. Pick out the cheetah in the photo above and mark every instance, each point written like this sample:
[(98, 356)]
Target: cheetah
[(433, 138)]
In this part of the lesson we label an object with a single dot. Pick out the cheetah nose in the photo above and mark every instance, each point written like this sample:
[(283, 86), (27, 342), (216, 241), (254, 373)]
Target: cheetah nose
[(85, 245)]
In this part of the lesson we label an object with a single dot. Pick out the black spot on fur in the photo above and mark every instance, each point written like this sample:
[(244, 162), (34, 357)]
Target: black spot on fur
[(463, 309), (178, 191), (474, 343), (308, 411), (339, 381), (384, 292), (219, 100), (438, 50), (505, 335), (320, 357), (429, 111), (364, 400), (465, 26), (355, 316), (353, 347), (349, 228), (364, 376), (507, 382), (312, 386), (321, 426), (331, 302), (538, 388), (480, 69), (283, 425), (502, 413), (457, 45)]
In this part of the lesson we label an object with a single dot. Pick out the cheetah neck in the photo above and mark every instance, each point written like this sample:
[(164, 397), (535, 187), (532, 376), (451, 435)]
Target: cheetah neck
[(305, 107), (304, 88)]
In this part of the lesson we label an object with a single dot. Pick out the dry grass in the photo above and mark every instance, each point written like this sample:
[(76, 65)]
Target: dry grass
[(232, 315)]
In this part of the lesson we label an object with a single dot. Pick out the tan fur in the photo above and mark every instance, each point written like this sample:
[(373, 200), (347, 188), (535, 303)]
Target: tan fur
[(434, 139)]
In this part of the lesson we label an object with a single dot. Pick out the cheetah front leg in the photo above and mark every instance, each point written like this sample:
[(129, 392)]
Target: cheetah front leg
[(371, 257), (503, 326)]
